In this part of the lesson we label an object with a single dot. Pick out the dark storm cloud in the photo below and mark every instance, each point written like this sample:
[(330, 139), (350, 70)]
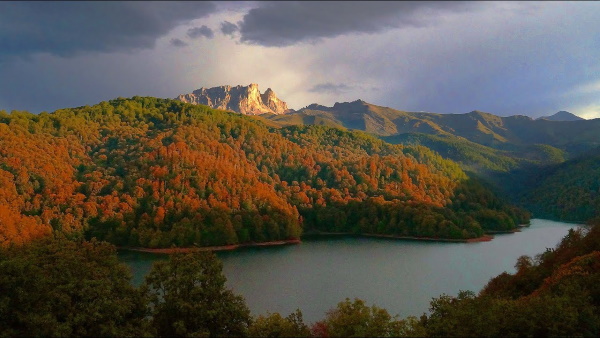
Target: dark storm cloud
[(178, 43), (69, 28), (202, 31), (228, 28), (286, 23), (331, 88)]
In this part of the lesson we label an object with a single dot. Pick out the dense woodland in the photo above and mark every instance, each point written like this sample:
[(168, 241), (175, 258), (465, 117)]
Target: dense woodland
[(56, 286), (159, 173), (568, 191)]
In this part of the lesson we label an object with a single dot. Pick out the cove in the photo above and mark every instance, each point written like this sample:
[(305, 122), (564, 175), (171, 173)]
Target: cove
[(399, 275)]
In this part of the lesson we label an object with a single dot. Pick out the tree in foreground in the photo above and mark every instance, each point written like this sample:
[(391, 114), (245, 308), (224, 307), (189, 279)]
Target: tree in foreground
[(60, 287), (274, 325), (187, 297), (356, 319), (555, 294)]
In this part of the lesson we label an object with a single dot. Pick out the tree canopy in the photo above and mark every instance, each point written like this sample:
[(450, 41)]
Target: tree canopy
[(60, 287), (187, 297)]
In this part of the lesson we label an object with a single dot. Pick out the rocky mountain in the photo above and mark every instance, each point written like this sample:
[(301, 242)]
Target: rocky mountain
[(562, 116), (245, 100)]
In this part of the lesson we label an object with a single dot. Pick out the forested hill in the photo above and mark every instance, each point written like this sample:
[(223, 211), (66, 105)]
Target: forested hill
[(568, 191), (159, 173)]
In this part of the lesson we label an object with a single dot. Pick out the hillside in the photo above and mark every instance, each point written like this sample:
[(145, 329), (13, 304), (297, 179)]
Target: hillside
[(567, 191), (479, 158), (160, 173)]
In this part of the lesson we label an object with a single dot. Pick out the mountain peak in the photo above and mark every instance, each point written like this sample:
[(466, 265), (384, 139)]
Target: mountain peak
[(562, 116), (245, 100), (316, 106)]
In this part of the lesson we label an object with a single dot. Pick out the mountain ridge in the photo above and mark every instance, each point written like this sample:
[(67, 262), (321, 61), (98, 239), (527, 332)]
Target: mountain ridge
[(477, 126)]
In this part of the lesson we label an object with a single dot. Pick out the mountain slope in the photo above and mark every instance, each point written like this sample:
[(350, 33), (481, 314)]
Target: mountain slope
[(567, 191), (160, 173)]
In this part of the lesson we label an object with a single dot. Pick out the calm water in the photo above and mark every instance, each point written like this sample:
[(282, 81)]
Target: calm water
[(401, 276)]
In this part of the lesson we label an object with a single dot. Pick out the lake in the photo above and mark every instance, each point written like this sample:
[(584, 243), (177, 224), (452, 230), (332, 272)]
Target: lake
[(399, 275)]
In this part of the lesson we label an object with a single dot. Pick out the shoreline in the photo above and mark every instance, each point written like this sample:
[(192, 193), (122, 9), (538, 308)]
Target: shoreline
[(211, 248), (484, 238), (488, 236), (499, 232)]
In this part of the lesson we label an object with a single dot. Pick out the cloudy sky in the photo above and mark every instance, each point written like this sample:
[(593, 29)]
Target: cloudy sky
[(506, 58)]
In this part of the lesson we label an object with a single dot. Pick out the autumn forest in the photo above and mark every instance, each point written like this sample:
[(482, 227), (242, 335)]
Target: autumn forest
[(148, 172)]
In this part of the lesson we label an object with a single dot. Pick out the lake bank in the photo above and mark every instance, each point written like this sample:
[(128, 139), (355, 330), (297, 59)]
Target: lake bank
[(211, 248), (399, 275), (231, 247), (484, 238)]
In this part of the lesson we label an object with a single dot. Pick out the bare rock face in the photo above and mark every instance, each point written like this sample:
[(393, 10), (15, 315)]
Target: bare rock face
[(246, 100), (275, 104)]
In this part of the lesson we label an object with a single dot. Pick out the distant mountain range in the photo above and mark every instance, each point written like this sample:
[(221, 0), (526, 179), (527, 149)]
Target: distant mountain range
[(479, 127)]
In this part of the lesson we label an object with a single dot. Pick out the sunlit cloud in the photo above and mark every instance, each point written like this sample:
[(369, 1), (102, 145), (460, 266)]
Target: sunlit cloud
[(587, 112), (588, 88)]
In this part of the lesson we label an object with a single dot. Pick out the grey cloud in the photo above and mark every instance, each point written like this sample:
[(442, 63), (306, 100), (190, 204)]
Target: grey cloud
[(287, 23), (202, 31), (500, 62), (178, 43), (331, 88), (228, 28), (70, 28)]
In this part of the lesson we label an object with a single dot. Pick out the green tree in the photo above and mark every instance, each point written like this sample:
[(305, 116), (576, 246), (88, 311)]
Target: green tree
[(356, 319), (59, 287), (274, 325), (187, 297)]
